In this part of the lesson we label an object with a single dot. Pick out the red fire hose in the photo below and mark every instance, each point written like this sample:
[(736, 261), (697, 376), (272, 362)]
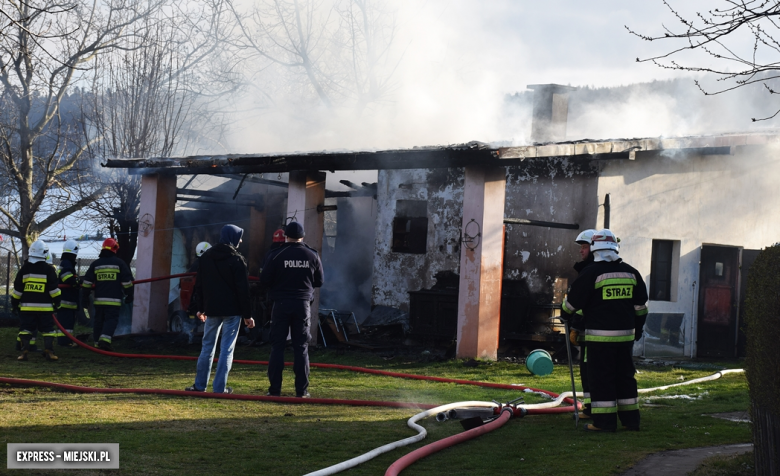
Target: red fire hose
[(427, 450), (317, 365)]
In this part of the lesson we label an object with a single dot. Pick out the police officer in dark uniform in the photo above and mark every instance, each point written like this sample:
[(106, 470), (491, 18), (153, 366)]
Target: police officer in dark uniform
[(613, 297), (291, 271)]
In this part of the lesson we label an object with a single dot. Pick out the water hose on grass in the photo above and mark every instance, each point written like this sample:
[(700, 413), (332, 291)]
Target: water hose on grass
[(406, 460)]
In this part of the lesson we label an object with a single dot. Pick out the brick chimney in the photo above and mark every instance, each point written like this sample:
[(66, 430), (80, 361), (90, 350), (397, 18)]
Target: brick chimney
[(551, 108)]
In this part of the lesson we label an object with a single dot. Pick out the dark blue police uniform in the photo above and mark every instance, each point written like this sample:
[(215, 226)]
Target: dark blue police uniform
[(291, 272)]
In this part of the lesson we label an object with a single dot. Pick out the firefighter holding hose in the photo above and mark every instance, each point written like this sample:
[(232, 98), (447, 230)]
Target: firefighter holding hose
[(112, 282), (613, 298), (35, 297), (70, 285)]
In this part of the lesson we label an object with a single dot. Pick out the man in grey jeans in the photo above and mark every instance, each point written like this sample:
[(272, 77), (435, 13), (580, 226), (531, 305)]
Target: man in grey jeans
[(221, 300)]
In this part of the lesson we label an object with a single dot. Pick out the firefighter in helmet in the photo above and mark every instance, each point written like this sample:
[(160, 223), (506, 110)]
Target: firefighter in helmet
[(70, 285), (112, 282), (199, 250), (35, 297), (576, 335), (613, 298)]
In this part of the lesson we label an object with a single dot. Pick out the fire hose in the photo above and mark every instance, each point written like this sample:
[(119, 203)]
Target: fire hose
[(504, 412), (541, 408)]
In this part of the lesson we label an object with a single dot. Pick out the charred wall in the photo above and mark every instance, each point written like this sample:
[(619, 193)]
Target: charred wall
[(552, 190), (538, 260), (397, 273)]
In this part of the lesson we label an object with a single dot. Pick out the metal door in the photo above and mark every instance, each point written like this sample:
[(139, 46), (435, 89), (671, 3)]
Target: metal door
[(717, 317)]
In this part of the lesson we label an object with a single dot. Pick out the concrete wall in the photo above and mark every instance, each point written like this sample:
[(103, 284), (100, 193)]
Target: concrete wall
[(395, 274), (714, 199)]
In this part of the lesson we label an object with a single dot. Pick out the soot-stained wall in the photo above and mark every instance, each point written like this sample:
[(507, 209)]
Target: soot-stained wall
[(554, 190), (395, 274)]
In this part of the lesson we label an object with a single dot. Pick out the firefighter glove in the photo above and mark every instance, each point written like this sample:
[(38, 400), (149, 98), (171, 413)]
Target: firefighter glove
[(128, 300), (573, 334)]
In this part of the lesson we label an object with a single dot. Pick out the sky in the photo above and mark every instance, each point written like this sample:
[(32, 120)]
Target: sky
[(457, 59)]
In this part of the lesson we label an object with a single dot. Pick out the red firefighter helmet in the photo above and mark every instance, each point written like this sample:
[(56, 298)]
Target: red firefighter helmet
[(279, 236), (111, 245)]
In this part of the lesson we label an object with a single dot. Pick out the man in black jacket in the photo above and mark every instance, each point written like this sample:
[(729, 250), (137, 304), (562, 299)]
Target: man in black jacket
[(292, 271), (221, 300)]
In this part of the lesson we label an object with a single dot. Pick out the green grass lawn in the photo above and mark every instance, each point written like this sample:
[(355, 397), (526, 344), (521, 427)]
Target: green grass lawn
[(166, 434)]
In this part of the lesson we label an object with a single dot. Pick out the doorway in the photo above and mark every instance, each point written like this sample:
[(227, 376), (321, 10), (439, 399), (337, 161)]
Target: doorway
[(718, 294)]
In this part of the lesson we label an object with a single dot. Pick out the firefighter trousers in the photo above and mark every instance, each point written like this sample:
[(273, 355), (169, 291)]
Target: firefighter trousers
[(67, 318), (106, 320), (31, 322), (612, 384), (584, 378)]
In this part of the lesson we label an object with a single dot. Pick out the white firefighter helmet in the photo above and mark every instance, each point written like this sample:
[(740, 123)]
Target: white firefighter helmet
[(49, 259), (604, 240), (71, 246), (201, 248), (38, 251), (585, 236)]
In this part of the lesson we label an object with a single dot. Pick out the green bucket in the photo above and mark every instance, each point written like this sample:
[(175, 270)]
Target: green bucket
[(539, 362)]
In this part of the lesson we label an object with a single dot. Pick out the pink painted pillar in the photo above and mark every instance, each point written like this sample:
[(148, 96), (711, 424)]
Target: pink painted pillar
[(305, 193), (155, 240), (481, 259)]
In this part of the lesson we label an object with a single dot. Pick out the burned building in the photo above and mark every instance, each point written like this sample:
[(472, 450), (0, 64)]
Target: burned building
[(476, 241)]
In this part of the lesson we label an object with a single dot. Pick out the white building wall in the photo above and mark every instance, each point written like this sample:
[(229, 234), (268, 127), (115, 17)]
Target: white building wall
[(711, 199)]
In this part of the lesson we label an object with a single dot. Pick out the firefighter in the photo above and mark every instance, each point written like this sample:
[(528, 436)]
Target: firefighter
[(191, 326), (292, 271), (112, 282), (613, 298), (199, 250), (35, 297), (576, 336), (278, 239), (70, 285)]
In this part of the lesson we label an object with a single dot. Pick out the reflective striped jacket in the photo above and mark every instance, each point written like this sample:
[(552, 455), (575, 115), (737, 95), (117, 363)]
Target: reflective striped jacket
[(613, 297), (69, 283), (111, 279), (35, 288)]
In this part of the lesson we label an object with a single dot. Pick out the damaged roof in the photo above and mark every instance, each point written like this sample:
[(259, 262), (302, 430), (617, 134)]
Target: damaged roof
[(458, 155)]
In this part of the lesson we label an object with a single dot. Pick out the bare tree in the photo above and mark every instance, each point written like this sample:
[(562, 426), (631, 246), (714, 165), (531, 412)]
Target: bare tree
[(337, 51), (156, 101), (45, 47), (367, 31), (717, 33)]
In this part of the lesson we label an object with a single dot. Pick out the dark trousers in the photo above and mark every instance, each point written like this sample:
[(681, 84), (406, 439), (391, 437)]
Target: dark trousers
[(584, 377), (31, 322), (106, 320), (294, 316), (67, 318), (612, 384)]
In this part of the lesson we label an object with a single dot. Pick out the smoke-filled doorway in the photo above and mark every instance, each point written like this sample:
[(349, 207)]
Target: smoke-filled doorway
[(347, 255)]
